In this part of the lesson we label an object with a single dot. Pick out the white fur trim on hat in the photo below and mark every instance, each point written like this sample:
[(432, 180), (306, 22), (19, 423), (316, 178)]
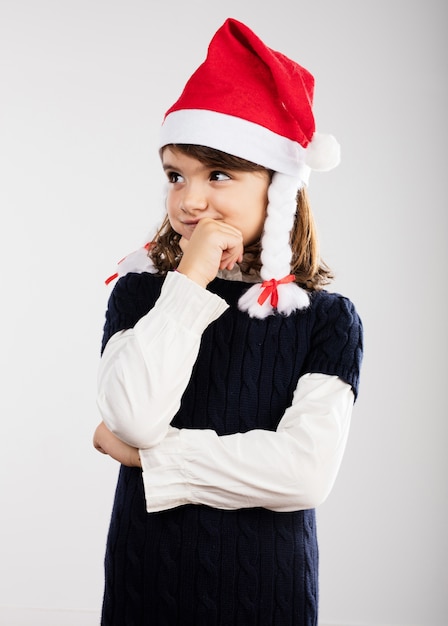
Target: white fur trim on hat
[(236, 136)]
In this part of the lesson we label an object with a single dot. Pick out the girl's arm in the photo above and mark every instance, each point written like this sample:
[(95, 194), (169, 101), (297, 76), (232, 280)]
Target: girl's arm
[(144, 370), (107, 443), (290, 469)]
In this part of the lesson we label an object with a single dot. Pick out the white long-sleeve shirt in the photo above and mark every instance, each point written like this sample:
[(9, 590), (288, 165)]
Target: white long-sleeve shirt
[(142, 376)]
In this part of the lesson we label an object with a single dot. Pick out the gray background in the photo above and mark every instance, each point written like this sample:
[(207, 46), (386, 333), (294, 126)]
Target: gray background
[(84, 85)]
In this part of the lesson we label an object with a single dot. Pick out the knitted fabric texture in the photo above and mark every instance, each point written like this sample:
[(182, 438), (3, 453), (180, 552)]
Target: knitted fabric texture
[(198, 566)]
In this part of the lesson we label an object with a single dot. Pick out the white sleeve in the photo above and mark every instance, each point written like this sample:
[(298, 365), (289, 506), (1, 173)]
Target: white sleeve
[(290, 469), (144, 371)]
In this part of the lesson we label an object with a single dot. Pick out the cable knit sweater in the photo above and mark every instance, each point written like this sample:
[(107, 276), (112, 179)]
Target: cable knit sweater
[(196, 565)]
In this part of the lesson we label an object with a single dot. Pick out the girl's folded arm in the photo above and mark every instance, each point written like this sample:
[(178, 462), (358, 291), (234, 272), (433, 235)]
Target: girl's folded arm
[(289, 469), (144, 371)]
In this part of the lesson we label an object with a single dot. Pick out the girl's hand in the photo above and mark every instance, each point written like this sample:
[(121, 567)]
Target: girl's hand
[(214, 245), (107, 443)]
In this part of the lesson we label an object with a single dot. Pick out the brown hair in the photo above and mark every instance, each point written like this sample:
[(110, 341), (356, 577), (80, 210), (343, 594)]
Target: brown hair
[(310, 271)]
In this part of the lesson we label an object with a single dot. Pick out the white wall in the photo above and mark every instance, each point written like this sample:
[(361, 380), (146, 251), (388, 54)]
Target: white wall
[(83, 87)]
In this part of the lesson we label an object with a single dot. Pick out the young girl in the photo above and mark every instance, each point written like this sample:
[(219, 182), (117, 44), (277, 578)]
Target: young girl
[(228, 373)]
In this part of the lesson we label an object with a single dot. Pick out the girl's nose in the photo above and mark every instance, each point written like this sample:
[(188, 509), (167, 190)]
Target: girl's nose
[(194, 198)]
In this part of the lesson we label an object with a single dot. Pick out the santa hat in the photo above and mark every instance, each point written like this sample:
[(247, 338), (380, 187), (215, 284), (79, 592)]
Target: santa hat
[(255, 103)]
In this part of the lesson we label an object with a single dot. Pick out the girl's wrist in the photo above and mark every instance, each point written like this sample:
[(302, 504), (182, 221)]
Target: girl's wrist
[(193, 275)]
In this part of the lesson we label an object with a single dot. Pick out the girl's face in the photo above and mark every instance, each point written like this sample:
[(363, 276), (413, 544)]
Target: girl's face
[(196, 191)]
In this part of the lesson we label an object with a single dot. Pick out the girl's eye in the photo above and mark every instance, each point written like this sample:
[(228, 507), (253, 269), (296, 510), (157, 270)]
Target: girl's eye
[(174, 177), (219, 176)]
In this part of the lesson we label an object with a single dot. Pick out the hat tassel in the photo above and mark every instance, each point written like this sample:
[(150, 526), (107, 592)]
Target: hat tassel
[(279, 291)]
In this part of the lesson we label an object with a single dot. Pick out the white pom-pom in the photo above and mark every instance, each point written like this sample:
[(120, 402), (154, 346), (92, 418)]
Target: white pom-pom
[(291, 297), (135, 262), (248, 303), (323, 153)]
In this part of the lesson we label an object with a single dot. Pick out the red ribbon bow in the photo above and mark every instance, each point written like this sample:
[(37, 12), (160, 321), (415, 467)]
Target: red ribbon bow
[(270, 289)]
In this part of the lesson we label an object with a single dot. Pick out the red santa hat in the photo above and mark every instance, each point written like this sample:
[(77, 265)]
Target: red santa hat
[(255, 103)]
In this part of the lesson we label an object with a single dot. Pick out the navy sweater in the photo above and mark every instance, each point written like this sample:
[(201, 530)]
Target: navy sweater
[(198, 566)]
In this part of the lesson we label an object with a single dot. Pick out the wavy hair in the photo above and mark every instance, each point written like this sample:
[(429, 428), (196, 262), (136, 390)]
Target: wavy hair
[(309, 270)]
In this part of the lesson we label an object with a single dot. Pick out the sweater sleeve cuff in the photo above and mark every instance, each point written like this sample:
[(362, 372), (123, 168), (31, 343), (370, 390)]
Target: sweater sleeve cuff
[(187, 302)]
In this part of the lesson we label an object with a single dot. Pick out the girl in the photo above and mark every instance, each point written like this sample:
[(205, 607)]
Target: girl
[(228, 373)]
